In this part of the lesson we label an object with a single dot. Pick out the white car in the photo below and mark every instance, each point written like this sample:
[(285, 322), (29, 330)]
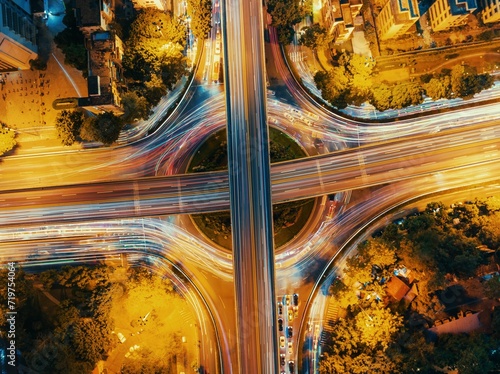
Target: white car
[(282, 341)]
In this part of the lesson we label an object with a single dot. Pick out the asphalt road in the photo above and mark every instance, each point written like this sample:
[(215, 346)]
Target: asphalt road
[(204, 192), (250, 186)]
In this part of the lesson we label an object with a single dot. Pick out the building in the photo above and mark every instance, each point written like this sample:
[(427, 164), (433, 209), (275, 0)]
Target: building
[(444, 14), (105, 52), (338, 18), (490, 10), (396, 17), (160, 4), (17, 36), (464, 323), (401, 288), (93, 15)]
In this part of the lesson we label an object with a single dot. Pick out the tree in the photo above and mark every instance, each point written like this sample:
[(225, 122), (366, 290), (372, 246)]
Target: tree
[(68, 126), (345, 296), (465, 82), (7, 138), (376, 326), (315, 37), (382, 97), (134, 106), (71, 42), (438, 88), (416, 353), (468, 353), (378, 253), (154, 50), (104, 128), (158, 27), (404, 95), (285, 12), (200, 12), (360, 69), (489, 233), (333, 86)]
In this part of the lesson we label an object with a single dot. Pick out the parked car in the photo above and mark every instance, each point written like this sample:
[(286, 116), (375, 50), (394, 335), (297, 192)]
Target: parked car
[(282, 341), (287, 299), (282, 359)]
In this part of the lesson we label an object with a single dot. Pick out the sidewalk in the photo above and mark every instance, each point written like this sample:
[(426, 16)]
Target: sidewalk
[(27, 96)]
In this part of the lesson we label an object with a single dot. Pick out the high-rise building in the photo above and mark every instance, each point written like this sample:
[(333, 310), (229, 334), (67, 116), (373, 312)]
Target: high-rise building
[(338, 18), (396, 17), (490, 10), (17, 36), (160, 4), (444, 14)]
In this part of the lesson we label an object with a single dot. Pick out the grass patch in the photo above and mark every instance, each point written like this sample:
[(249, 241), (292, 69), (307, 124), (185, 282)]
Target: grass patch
[(289, 218)]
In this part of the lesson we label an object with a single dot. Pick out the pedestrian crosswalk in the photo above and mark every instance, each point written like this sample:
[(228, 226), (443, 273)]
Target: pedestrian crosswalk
[(297, 56), (332, 314)]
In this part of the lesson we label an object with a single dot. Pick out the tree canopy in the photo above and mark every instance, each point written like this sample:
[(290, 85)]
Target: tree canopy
[(68, 126), (7, 138), (286, 14), (315, 37), (104, 128), (200, 12), (156, 42), (71, 42), (153, 60), (351, 82), (392, 337)]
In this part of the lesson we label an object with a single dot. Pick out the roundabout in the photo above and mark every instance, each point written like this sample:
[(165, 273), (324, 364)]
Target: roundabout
[(289, 218)]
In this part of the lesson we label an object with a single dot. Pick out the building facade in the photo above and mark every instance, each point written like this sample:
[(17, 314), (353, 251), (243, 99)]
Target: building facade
[(17, 36), (444, 14), (490, 10), (396, 17), (338, 18), (105, 52), (93, 15), (160, 4)]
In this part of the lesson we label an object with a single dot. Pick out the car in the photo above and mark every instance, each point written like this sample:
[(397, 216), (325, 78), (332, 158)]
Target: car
[(290, 315), (282, 341), (295, 311), (280, 308), (282, 359), (217, 47), (287, 299), (289, 332), (121, 337), (290, 348), (291, 367), (280, 324), (296, 299)]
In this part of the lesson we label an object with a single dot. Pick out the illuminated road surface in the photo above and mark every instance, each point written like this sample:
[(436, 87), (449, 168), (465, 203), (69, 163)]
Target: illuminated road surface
[(205, 192), (250, 186)]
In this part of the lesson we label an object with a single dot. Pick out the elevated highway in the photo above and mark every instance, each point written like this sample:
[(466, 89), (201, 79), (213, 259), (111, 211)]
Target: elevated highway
[(366, 166)]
